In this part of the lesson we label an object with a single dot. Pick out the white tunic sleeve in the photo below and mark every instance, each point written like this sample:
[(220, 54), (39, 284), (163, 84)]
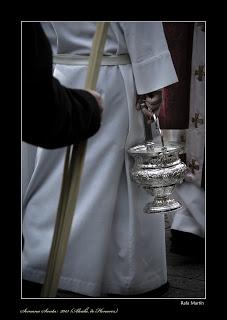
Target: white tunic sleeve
[(51, 34), (151, 60)]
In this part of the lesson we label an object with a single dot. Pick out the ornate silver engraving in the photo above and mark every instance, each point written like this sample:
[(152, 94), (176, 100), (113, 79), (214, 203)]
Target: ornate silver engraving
[(158, 169)]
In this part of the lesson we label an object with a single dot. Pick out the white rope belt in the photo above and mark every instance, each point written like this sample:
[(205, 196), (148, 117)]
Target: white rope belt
[(69, 59)]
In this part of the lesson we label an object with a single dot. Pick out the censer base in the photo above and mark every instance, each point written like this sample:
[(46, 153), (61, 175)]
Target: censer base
[(161, 206)]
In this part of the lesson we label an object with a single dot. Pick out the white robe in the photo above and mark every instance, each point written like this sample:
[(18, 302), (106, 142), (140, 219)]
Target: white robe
[(114, 247), (192, 217)]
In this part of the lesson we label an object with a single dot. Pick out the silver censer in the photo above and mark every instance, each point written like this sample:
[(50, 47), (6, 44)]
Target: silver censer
[(157, 168)]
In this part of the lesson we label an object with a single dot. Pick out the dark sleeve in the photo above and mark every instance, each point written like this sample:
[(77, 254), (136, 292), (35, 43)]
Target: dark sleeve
[(53, 116)]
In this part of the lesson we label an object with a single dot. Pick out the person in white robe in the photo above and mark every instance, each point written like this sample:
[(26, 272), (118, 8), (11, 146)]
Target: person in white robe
[(114, 247), (189, 222)]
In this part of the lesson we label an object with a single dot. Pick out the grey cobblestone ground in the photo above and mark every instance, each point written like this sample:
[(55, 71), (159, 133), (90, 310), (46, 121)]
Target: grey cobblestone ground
[(186, 277)]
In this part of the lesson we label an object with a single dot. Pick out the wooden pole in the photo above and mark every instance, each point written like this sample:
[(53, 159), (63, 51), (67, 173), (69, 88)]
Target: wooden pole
[(73, 167)]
